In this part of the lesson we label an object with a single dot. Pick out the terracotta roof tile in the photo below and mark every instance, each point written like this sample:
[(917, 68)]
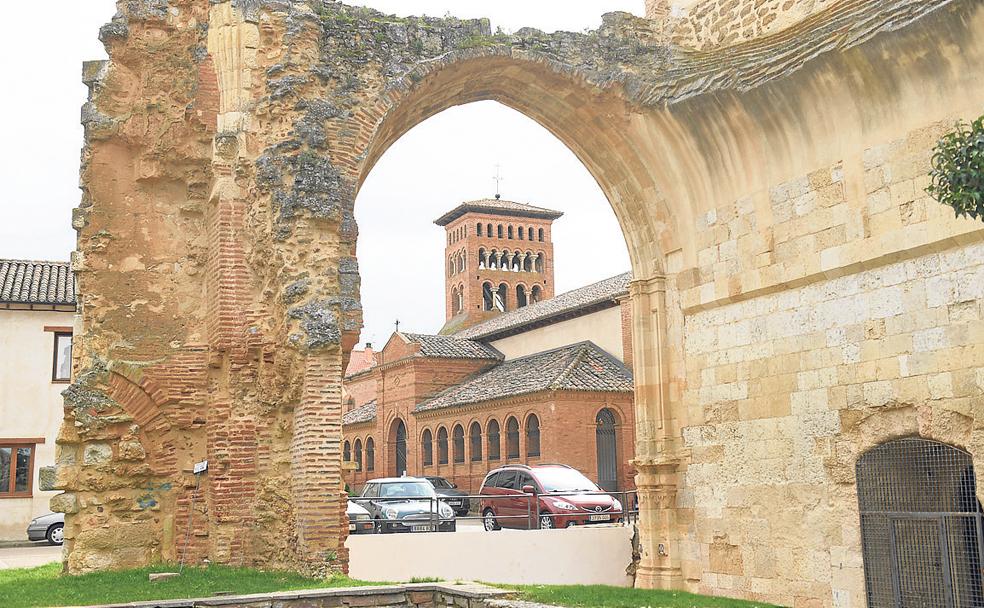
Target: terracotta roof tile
[(365, 413), (36, 282), (578, 367), (498, 207), (452, 347), (564, 304)]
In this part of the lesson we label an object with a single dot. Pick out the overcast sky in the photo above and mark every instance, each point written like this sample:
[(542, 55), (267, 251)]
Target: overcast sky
[(445, 160)]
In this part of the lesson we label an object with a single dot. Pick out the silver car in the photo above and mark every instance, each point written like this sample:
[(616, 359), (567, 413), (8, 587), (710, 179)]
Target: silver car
[(50, 527)]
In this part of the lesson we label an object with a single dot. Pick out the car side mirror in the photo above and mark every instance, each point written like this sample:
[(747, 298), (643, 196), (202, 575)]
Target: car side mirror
[(529, 490), (454, 485)]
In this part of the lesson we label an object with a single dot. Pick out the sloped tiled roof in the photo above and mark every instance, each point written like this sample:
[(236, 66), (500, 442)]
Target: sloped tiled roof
[(365, 413), (557, 306), (498, 207), (451, 347), (36, 282), (578, 367)]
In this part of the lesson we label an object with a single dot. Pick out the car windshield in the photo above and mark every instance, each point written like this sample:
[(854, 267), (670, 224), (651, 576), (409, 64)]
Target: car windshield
[(564, 480), (409, 489)]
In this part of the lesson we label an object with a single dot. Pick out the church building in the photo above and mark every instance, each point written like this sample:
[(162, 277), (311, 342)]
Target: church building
[(516, 375)]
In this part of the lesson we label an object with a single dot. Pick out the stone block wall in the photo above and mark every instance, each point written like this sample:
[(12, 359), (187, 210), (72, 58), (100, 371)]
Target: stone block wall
[(788, 386)]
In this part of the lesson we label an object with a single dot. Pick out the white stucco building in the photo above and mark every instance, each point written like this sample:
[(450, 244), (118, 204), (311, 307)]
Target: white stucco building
[(37, 308)]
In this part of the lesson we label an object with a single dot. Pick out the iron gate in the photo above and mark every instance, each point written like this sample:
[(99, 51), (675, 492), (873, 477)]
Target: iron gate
[(605, 440), (921, 531)]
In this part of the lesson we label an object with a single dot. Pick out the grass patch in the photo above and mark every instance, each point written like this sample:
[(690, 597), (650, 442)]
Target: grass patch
[(46, 586), (603, 596)]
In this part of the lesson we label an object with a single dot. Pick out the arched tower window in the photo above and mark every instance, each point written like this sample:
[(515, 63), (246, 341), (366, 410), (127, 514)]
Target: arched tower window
[(488, 297), (358, 454), (532, 435), (478, 229), (516, 262), (493, 439), (347, 452), (539, 263), (458, 443), (520, 296), (427, 446), (481, 258), (500, 297), (540, 235), (528, 261), (512, 438), (370, 454), (499, 231), (475, 439), (521, 231), (488, 231), (510, 232), (442, 445), (461, 299), (536, 294)]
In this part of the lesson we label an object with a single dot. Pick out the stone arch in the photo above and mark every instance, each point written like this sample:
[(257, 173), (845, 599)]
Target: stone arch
[(551, 94)]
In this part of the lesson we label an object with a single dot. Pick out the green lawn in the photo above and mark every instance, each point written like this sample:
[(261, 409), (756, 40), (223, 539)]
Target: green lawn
[(45, 586), (600, 596)]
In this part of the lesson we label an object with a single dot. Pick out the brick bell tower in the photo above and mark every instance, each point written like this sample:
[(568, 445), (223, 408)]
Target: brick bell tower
[(499, 257)]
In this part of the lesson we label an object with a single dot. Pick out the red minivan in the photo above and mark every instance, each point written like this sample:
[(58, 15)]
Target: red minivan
[(516, 496)]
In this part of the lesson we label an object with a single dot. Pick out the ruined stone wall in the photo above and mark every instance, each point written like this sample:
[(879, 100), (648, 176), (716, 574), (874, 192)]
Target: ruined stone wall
[(705, 24), (770, 197)]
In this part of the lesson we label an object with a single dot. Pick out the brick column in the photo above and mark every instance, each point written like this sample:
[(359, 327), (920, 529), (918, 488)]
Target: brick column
[(656, 459), (316, 461)]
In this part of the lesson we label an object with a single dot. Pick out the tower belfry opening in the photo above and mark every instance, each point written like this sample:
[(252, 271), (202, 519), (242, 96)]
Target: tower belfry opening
[(498, 251)]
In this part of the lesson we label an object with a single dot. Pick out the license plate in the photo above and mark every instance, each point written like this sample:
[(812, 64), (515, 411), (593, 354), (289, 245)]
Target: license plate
[(351, 527), (602, 517), (426, 528)]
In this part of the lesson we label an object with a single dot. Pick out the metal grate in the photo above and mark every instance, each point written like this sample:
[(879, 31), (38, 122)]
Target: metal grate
[(921, 529)]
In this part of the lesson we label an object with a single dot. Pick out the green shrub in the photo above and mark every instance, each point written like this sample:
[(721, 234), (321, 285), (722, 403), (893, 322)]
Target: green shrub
[(958, 169)]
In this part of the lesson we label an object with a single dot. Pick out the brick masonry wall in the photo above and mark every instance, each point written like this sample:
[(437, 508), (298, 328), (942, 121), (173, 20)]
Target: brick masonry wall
[(705, 24)]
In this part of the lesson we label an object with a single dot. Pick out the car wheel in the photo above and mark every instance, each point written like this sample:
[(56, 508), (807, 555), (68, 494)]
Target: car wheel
[(56, 534), (488, 520), (546, 522)]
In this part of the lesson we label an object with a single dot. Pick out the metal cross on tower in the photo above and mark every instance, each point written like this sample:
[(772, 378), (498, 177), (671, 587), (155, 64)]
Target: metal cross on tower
[(498, 181)]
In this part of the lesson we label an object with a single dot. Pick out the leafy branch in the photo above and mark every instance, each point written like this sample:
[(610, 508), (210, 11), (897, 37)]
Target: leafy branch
[(958, 169)]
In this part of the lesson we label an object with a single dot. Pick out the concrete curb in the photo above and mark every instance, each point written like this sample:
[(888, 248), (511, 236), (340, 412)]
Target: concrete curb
[(22, 544)]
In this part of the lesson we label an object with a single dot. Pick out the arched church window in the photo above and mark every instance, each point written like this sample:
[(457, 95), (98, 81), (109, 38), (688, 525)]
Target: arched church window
[(427, 446), (358, 454), (458, 443), (347, 452), (540, 235), (475, 438), (533, 435), (370, 454), (521, 296), (520, 230), (536, 294), (478, 229), (493, 439), (512, 438), (442, 445), (510, 232), (499, 231)]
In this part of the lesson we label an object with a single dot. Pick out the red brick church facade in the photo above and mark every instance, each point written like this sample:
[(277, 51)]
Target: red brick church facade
[(517, 375)]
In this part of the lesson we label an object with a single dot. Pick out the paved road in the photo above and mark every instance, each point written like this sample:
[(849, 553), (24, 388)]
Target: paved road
[(28, 557)]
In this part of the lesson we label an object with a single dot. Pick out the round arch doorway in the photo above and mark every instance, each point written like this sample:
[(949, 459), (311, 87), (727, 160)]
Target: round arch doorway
[(398, 439), (606, 446)]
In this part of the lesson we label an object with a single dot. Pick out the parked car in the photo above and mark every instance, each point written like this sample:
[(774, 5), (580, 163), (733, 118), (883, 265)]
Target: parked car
[(555, 494), (406, 504), (452, 495), (360, 521), (50, 527)]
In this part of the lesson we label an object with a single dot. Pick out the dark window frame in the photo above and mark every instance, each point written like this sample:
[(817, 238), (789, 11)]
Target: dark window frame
[(443, 456), (458, 444), (427, 446), (14, 445), (475, 439), (370, 454), (532, 436), (497, 444), (511, 436), (54, 357)]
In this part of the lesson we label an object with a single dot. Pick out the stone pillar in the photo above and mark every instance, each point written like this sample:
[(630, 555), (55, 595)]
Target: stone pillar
[(657, 459)]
